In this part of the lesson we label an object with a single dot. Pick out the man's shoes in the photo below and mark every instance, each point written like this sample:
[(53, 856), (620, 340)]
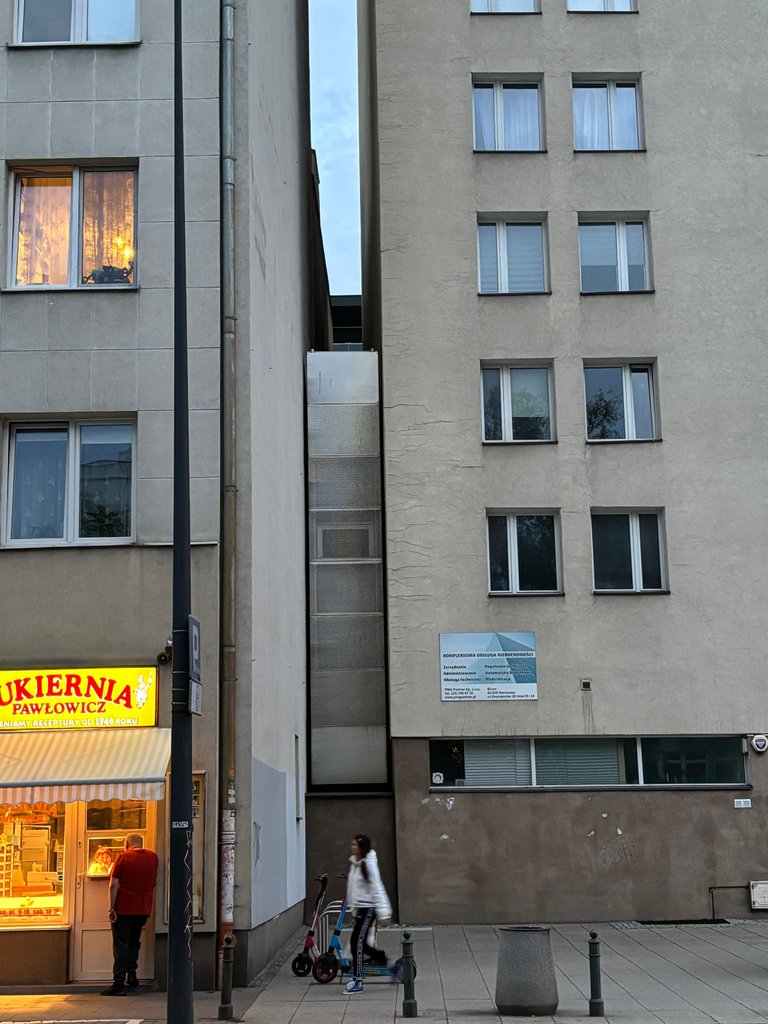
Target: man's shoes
[(132, 981), (354, 986), (396, 970), (115, 989)]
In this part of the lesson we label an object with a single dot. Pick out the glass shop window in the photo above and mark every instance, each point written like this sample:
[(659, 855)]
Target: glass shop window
[(32, 864)]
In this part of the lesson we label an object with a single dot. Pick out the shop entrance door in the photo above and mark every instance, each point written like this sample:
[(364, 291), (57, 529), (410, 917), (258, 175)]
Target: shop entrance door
[(99, 836)]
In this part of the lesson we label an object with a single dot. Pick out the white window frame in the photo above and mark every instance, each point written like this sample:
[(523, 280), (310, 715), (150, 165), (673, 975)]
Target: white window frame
[(492, 7), (498, 112), (74, 258), (635, 552), (620, 223), (501, 224), (512, 554), (78, 32), (507, 435), (630, 429), (72, 484), (608, 7), (611, 84)]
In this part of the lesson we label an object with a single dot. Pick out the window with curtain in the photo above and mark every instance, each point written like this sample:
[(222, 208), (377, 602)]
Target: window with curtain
[(523, 555), (606, 115), (507, 116), (579, 762), (77, 21), (627, 551), (74, 227), (516, 403), (613, 256), (70, 483), (620, 402), (511, 257), (504, 6), (602, 5)]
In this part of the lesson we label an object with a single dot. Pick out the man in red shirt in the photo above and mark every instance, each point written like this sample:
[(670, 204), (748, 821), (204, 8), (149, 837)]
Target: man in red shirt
[(131, 888)]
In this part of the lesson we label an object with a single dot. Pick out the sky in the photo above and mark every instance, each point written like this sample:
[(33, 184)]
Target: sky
[(333, 77)]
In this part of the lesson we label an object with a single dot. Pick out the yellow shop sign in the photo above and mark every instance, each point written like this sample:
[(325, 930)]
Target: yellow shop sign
[(78, 698)]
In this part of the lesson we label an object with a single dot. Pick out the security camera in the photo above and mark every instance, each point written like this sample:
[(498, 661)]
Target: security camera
[(165, 655)]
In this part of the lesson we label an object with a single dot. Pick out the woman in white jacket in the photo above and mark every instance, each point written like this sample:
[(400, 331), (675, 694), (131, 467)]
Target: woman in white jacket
[(367, 899)]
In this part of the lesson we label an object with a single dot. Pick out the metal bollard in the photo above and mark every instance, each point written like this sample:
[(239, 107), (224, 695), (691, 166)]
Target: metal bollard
[(227, 970), (596, 1007), (410, 1009)]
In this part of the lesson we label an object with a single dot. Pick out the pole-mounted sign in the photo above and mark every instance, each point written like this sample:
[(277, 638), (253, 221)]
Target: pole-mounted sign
[(195, 669)]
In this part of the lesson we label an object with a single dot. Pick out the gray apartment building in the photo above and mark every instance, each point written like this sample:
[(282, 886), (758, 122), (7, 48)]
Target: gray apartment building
[(86, 397), (565, 207)]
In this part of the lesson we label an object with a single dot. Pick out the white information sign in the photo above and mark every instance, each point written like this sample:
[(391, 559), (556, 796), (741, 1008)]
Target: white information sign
[(488, 666)]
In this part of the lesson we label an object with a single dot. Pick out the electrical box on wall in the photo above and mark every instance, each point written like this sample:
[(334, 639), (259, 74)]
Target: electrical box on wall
[(758, 894)]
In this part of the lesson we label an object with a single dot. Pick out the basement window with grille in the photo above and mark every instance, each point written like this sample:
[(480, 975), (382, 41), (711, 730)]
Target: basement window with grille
[(587, 762)]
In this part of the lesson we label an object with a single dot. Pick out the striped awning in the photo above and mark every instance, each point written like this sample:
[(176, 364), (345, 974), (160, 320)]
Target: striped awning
[(95, 764)]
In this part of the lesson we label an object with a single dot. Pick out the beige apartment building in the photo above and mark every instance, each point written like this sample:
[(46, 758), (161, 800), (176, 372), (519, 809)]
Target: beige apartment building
[(565, 212), (86, 398)]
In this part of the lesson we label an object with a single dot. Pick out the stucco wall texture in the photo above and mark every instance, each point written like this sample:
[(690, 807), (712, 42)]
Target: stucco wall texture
[(686, 662), (584, 855)]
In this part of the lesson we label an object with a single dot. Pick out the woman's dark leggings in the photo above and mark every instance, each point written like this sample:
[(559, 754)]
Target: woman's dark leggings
[(364, 918)]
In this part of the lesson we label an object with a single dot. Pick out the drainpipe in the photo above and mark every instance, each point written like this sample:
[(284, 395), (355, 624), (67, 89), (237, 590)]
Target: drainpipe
[(228, 526)]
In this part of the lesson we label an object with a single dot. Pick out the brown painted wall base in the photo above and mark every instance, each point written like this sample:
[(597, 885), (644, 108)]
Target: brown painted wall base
[(35, 957), (332, 821), (588, 855), (203, 961), (253, 951), (256, 948)]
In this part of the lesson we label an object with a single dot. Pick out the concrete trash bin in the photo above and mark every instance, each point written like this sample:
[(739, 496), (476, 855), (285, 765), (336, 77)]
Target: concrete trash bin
[(525, 977)]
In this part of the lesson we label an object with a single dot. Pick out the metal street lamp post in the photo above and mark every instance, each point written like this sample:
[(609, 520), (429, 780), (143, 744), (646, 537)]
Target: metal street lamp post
[(180, 980)]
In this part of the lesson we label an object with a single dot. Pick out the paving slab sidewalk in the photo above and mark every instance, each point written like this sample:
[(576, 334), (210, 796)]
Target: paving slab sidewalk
[(663, 974)]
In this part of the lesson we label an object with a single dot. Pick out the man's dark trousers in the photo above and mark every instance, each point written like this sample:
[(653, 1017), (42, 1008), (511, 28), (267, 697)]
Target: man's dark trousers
[(126, 942)]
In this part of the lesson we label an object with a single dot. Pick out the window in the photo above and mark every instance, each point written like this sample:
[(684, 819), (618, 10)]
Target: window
[(620, 402), (606, 115), (516, 403), (70, 483), (523, 556), (33, 869), (582, 763), (705, 759), (634, 761), (77, 21), (511, 257), (504, 6), (73, 227), (507, 116), (602, 5), (613, 256), (627, 551)]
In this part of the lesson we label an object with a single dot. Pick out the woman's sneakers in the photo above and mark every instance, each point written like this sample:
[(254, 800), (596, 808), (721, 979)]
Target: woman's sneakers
[(396, 970), (354, 986)]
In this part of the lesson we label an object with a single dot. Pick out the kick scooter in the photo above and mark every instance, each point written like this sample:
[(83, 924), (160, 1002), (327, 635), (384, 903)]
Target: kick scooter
[(328, 965), (301, 964)]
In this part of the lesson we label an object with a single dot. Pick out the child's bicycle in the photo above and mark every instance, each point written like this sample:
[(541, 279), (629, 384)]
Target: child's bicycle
[(301, 964), (328, 965)]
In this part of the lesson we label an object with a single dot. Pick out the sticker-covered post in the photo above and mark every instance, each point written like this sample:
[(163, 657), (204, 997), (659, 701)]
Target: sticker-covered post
[(180, 979)]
